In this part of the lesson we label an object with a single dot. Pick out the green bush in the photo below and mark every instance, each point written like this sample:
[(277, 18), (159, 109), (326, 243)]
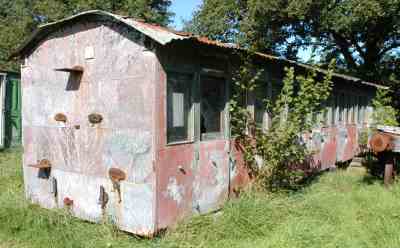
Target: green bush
[(285, 157)]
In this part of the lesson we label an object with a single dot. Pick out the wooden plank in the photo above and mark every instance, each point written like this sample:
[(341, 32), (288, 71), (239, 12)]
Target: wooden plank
[(388, 178)]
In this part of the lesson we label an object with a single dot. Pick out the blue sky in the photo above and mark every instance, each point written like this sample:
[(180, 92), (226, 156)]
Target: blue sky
[(183, 10)]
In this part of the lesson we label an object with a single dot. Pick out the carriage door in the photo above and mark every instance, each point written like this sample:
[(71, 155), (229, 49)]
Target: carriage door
[(2, 108), (212, 178)]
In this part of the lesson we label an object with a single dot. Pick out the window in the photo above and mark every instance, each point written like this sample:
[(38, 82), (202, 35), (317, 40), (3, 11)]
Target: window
[(350, 109), (361, 111), (345, 105), (212, 105), (356, 109), (339, 107), (179, 105), (261, 94), (329, 112), (335, 108)]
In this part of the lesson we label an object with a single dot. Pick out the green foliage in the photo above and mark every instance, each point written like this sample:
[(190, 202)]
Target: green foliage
[(361, 35), (216, 20), (242, 126), (384, 113), (280, 148), (363, 139), (20, 17)]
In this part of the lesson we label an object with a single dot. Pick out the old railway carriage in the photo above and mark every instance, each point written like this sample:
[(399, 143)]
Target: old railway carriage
[(129, 120)]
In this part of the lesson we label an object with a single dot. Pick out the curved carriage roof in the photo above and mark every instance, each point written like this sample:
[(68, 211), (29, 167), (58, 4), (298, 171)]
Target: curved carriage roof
[(159, 34)]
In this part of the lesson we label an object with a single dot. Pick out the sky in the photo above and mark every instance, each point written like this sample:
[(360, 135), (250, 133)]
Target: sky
[(183, 9)]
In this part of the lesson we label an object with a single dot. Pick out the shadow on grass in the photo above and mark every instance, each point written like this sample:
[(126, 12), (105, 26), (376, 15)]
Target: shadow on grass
[(371, 179), (312, 179)]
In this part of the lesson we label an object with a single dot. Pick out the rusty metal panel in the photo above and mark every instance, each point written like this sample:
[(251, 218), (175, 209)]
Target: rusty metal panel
[(328, 150), (174, 184), (238, 174), (118, 85), (211, 180), (351, 144)]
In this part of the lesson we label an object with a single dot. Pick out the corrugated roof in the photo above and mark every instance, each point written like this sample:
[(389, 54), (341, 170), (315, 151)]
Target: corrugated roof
[(161, 35)]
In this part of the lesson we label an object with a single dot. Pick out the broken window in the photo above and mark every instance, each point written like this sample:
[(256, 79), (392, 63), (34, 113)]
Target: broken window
[(212, 107), (179, 104)]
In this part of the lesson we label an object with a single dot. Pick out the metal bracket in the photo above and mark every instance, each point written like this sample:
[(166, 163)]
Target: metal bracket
[(95, 118), (53, 186), (116, 175), (60, 117), (103, 197)]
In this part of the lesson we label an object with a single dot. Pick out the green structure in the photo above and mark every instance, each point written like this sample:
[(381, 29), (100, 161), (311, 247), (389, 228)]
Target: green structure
[(10, 109)]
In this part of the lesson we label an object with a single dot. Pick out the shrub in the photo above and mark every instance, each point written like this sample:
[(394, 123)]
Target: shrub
[(283, 152)]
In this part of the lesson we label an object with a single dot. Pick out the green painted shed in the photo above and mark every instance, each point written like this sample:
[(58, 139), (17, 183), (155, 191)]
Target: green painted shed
[(10, 109)]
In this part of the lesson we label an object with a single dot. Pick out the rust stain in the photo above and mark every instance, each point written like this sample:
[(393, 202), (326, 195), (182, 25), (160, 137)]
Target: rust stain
[(380, 142), (42, 164), (95, 118), (60, 117), (68, 202), (116, 174)]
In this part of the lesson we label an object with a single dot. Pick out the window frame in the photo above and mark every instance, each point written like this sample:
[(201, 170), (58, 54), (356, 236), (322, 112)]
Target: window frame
[(194, 127), (191, 113), (220, 75)]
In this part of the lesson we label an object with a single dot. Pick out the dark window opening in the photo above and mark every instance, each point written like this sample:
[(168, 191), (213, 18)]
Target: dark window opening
[(261, 95), (212, 107), (179, 104)]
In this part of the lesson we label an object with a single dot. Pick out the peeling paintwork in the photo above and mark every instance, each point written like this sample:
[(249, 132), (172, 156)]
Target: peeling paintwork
[(175, 191)]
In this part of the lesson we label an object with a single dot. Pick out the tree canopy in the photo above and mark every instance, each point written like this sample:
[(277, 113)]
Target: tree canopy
[(363, 36), (18, 18)]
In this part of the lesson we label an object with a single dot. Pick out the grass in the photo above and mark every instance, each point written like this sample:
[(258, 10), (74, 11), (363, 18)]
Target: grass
[(340, 209)]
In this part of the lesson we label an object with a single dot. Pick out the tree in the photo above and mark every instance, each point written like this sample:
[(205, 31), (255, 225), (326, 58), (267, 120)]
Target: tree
[(363, 36), (19, 18)]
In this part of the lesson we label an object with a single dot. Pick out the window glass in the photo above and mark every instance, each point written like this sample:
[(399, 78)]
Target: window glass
[(339, 106), (331, 111), (261, 94), (335, 109), (327, 112), (356, 108), (345, 108), (350, 109), (179, 104), (212, 107), (361, 111)]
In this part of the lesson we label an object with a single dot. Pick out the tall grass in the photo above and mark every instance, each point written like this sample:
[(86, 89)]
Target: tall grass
[(26, 225), (339, 209)]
